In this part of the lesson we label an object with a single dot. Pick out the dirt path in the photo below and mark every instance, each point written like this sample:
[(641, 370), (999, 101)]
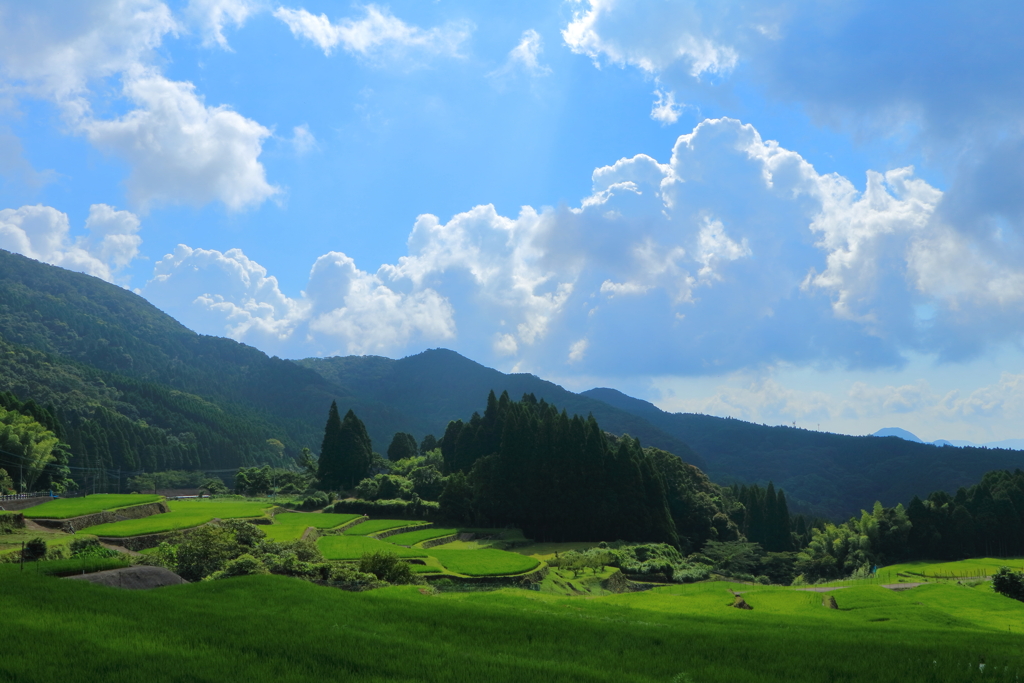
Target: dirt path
[(120, 549), (37, 528)]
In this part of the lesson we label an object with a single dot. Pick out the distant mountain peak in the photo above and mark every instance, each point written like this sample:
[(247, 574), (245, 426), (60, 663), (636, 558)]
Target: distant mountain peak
[(901, 433)]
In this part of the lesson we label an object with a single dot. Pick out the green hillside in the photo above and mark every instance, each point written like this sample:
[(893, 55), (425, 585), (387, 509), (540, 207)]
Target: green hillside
[(136, 390), (436, 386), (832, 475)]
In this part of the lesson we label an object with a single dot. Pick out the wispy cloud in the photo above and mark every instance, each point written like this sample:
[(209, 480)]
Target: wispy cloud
[(377, 35)]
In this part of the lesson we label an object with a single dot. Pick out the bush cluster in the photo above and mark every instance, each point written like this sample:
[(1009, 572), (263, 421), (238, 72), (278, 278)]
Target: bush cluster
[(238, 548), (415, 508)]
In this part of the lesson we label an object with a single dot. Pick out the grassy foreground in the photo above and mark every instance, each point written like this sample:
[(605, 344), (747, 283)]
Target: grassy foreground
[(66, 508), (218, 631)]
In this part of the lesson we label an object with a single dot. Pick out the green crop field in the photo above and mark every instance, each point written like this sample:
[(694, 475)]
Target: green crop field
[(65, 508), (483, 562), (75, 565), (414, 537), (682, 634), (344, 547), (184, 514), (289, 526), (375, 526), (978, 567)]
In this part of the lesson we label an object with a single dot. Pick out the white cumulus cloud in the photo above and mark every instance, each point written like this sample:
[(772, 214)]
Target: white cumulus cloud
[(183, 151), (180, 150), (44, 233), (734, 253)]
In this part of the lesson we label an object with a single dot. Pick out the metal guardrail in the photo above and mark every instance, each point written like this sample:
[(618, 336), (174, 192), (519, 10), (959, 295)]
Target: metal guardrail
[(22, 496)]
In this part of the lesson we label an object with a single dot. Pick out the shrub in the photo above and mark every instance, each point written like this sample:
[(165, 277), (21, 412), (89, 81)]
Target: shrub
[(315, 502), (350, 578), (1009, 583), (415, 508), (90, 547), (243, 565), (34, 550), (692, 573), (385, 566)]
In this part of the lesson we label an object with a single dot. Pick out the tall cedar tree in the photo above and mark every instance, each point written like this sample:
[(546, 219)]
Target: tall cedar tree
[(346, 452), (331, 469), (356, 449)]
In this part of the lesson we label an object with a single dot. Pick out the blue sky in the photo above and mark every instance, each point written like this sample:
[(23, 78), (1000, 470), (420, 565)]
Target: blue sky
[(782, 211)]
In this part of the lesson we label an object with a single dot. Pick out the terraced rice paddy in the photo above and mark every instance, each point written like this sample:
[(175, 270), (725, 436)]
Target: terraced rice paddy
[(414, 537), (184, 514), (964, 569), (376, 526), (66, 508), (343, 547), (483, 562), (289, 526)]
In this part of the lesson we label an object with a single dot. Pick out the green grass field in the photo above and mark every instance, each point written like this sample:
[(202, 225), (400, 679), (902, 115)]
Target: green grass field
[(77, 565), (414, 537), (483, 562), (65, 508), (289, 526), (977, 567), (375, 526), (184, 514), (683, 634), (344, 547)]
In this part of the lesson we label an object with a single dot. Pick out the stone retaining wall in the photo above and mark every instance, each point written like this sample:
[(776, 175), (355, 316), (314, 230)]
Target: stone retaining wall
[(439, 541), (105, 517), (401, 530), (22, 503)]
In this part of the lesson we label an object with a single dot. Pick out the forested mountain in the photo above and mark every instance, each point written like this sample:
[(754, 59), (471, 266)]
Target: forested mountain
[(831, 475), (136, 390), (434, 387)]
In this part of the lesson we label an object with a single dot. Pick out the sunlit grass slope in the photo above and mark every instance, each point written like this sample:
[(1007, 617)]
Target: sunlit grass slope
[(184, 514), (289, 526), (344, 547), (218, 631), (414, 537), (375, 526), (977, 567), (485, 562), (65, 508)]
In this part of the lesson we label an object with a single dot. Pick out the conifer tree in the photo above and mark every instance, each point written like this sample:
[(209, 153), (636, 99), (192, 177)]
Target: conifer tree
[(330, 469), (356, 450)]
